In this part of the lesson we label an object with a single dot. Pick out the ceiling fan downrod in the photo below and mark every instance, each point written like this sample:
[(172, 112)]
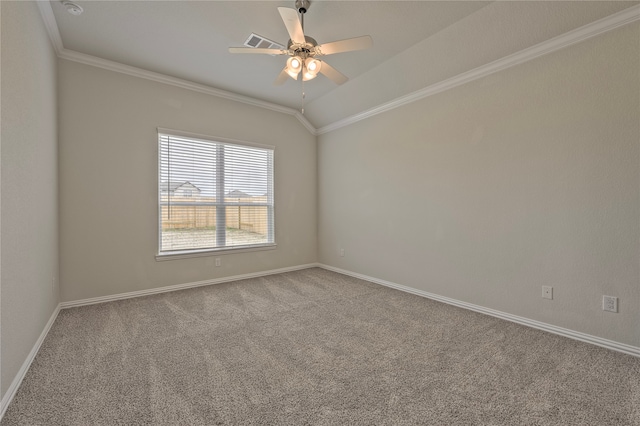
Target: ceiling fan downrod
[(302, 6)]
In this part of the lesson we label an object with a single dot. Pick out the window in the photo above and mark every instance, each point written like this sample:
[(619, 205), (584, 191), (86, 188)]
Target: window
[(213, 195)]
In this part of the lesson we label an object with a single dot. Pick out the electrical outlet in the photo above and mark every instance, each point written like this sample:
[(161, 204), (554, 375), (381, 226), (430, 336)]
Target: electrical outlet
[(341, 252), (547, 292), (610, 303), (218, 262)]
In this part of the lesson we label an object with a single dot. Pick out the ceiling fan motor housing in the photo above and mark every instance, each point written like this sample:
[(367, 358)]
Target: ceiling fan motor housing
[(303, 50)]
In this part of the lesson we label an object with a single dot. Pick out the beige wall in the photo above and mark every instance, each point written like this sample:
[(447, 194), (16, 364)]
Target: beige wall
[(108, 176), (483, 193), (29, 195), (486, 192)]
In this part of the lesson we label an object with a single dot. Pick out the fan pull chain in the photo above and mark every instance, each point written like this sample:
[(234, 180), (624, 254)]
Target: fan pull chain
[(303, 95)]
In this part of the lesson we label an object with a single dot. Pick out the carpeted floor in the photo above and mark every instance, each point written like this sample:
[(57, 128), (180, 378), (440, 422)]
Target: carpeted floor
[(315, 347)]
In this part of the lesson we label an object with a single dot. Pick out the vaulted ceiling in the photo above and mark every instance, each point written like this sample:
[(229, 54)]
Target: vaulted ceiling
[(416, 43)]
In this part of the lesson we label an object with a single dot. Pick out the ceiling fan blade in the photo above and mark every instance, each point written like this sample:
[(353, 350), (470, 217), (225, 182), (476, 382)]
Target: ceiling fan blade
[(333, 74), (282, 77), (291, 21), (348, 45), (257, 50)]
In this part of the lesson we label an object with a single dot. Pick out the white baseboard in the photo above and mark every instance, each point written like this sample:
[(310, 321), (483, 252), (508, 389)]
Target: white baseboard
[(576, 335), (8, 396), (609, 344), (139, 293), (6, 399)]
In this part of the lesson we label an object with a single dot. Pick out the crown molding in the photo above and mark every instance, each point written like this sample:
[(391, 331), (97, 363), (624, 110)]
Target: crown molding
[(306, 123), (577, 35), (51, 25), (54, 35), (574, 36), (83, 58)]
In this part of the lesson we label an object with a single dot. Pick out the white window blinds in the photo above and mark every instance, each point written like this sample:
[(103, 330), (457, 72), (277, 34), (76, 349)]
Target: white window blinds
[(213, 195)]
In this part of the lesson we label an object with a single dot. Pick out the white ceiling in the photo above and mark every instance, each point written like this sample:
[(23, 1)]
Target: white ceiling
[(416, 43)]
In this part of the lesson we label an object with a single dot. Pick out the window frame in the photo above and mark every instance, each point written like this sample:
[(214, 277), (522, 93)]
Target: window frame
[(184, 254)]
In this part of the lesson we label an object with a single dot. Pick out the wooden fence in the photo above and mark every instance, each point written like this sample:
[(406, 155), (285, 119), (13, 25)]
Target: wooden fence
[(197, 213)]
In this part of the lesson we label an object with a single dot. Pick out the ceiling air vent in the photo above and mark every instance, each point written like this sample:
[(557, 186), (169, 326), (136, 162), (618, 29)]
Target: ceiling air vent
[(256, 40)]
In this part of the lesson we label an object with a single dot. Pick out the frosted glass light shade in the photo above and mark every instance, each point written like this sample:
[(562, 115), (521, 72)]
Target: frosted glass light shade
[(294, 66), (311, 69)]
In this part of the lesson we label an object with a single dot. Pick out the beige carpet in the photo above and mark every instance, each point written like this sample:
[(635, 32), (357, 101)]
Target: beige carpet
[(315, 347)]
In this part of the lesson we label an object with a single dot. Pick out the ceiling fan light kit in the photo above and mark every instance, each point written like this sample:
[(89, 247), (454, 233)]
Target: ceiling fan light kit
[(311, 69), (294, 65), (304, 50)]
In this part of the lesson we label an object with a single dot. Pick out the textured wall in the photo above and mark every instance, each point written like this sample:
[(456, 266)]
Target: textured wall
[(108, 181), (29, 194), (486, 192)]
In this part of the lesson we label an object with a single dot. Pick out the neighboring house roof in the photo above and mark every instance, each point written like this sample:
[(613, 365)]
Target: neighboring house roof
[(175, 185), (237, 194)]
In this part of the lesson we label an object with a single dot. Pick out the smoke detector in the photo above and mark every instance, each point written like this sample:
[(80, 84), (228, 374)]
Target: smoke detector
[(72, 8)]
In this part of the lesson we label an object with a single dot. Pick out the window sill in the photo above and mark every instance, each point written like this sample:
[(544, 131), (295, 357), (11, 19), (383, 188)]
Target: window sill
[(211, 252)]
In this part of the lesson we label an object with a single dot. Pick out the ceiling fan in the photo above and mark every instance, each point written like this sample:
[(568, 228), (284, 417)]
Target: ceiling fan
[(304, 51)]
